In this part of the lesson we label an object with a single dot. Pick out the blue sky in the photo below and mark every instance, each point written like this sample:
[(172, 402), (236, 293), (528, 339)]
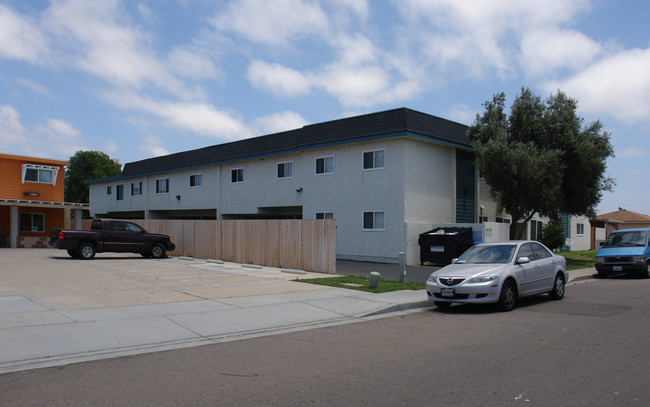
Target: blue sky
[(141, 79)]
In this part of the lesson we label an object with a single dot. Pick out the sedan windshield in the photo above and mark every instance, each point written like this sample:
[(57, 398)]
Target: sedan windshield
[(623, 239), (488, 254)]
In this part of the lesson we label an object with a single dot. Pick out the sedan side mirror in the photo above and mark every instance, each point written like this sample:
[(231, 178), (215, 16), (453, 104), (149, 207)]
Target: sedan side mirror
[(454, 260), (523, 260)]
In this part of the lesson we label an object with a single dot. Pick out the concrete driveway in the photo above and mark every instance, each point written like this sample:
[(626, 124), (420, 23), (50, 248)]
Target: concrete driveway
[(56, 310)]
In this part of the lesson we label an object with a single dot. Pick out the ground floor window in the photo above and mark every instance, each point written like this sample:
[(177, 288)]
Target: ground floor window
[(32, 222), (374, 220), (580, 229), (324, 215)]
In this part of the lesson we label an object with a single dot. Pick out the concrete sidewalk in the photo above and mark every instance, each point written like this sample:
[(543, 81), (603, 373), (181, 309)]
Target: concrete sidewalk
[(56, 311)]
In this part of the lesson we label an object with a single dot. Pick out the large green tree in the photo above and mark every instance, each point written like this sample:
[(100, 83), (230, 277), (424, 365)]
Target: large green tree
[(540, 158), (85, 166)]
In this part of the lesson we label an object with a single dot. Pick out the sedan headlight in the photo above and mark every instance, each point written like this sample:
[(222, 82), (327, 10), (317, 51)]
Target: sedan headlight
[(432, 278), (482, 279)]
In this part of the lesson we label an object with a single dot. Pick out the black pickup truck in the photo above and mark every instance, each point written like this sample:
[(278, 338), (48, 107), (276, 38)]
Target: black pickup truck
[(108, 235)]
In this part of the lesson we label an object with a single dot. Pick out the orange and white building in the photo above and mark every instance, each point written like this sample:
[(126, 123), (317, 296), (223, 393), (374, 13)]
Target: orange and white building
[(31, 200)]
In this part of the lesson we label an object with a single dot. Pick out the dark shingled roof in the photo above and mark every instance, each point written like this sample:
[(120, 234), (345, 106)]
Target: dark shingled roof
[(374, 125)]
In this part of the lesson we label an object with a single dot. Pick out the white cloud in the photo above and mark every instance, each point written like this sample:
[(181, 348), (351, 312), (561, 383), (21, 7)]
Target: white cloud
[(278, 79), (60, 136), (543, 52), (192, 64), (273, 22), (280, 122), (152, 144), (618, 85), (11, 129), (20, 38), (472, 37), (101, 41), (200, 118), (632, 152), (55, 138), (461, 113)]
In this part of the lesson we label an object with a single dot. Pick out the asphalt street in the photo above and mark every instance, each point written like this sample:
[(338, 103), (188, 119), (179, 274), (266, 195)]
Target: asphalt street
[(589, 349)]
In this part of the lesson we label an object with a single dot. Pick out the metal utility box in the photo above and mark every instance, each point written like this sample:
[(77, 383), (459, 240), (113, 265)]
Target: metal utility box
[(441, 245)]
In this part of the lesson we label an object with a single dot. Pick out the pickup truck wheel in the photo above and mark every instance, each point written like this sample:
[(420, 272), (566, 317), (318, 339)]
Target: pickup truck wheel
[(73, 253), (158, 251), (87, 251)]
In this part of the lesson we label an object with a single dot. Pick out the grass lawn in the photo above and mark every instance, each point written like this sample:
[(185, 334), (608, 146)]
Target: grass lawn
[(575, 260), (361, 283), (580, 259)]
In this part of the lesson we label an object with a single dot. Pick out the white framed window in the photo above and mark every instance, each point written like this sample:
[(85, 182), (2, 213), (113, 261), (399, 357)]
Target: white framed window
[(325, 165), (285, 170), (119, 193), (162, 186), (44, 174), (374, 160), (374, 220), (109, 189), (502, 220), (482, 219), (136, 188), (31, 222), (195, 180), (580, 229), (535, 229), (236, 175), (324, 215)]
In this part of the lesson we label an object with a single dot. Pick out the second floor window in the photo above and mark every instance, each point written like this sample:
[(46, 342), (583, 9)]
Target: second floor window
[(40, 173), (136, 188), (373, 160), (195, 180), (237, 175), (285, 170), (162, 186), (325, 165)]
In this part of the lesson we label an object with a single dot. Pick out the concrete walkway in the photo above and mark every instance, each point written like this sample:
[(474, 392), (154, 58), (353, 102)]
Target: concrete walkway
[(55, 310)]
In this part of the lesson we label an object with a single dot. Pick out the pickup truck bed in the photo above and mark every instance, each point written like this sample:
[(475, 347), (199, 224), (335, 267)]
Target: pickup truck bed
[(108, 235)]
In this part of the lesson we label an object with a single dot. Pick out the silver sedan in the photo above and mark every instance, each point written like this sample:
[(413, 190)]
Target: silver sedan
[(499, 273)]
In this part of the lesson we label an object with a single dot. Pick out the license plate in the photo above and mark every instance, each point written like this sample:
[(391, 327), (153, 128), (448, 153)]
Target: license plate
[(617, 268), (447, 292), (437, 249)]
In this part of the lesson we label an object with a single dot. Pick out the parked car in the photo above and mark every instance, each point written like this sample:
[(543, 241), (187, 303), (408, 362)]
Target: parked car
[(625, 251), (499, 273), (109, 235)]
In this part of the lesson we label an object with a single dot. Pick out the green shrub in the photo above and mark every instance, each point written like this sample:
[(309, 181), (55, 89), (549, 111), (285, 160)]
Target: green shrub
[(552, 235)]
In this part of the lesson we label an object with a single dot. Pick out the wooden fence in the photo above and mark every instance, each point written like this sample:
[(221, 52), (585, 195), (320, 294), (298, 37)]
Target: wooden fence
[(293, 244)]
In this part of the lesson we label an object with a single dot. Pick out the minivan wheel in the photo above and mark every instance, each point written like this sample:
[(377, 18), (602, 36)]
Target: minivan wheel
[(646, 272), (558, 288), (508, 297)]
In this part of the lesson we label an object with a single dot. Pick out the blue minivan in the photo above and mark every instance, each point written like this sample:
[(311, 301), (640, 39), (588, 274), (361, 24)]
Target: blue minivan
[(625, 251)]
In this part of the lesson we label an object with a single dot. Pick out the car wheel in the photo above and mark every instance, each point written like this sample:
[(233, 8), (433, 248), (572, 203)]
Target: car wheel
[(442, 305), (646, 273), (557, 293), (87, 251), (73, 253), (508, 297), (158, 251)]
